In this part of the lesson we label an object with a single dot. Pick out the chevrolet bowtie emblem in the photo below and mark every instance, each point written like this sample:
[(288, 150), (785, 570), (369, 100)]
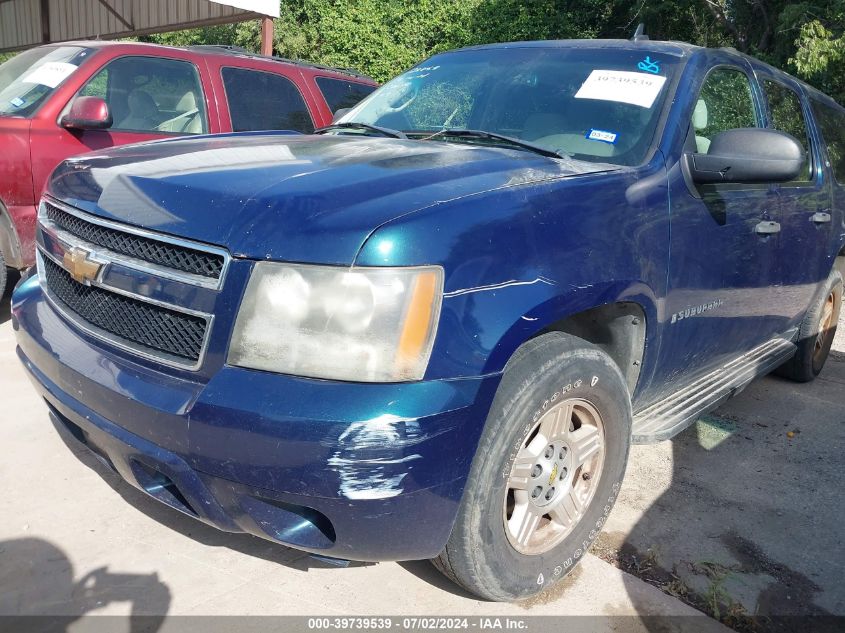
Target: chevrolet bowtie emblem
[(553, 476), (80, 267)]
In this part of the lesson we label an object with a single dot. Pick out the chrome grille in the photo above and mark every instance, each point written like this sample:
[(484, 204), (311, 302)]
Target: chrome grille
[(144, 292), (153, 327), (157, 252)]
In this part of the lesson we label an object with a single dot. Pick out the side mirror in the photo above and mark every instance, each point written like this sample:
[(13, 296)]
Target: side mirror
[(88, 113), (747, 155), (339, 113)]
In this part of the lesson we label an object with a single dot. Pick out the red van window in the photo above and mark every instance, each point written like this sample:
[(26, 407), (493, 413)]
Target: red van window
[(264, 101), (341, 94), (27, 80), (151, 94)]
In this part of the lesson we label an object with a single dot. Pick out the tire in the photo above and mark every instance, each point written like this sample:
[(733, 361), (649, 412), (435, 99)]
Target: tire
[(4, 277), (815, 336), (487, 553)]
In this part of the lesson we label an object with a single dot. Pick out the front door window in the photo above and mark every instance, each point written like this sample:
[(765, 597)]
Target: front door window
[(151, 94)]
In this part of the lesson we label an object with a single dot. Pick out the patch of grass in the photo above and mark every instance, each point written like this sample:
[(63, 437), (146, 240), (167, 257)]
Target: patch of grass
[(719, 603), (714, 600), (645, 563), (677, 587), (713, 430)]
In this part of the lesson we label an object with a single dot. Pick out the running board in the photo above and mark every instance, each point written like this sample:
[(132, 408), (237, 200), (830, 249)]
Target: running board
[(669, 417)]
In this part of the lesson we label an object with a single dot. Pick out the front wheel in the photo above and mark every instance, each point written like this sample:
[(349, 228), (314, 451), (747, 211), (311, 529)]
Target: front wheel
[(546, 473)]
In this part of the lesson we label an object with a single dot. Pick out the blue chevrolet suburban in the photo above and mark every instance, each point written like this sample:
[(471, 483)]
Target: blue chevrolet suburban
[(433, 329)]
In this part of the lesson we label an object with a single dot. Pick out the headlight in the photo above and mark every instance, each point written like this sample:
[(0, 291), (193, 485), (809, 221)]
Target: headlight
[(356, 324)]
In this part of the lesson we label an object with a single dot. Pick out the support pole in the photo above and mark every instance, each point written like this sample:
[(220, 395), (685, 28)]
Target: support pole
[(45, 21), (267, 36)]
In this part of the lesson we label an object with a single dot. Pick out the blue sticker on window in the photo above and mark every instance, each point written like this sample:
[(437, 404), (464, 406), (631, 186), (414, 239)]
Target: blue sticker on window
[(602, 135), (649, 65), (17, 102)]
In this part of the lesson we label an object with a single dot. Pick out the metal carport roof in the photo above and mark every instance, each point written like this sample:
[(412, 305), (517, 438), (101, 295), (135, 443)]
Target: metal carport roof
[(28, 23)]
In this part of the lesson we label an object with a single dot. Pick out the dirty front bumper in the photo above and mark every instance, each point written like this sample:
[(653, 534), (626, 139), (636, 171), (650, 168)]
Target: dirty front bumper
[(353, 471)]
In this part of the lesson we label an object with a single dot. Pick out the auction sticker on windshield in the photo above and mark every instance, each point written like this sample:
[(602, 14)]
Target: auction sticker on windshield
[(50, 74), (640, 89)]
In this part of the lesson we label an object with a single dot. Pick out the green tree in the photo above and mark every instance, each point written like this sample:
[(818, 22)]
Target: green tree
[(804, 37), (820, 51), (384, 37)]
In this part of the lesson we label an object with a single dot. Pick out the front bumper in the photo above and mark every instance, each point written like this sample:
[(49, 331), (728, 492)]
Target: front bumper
[(354, 471)]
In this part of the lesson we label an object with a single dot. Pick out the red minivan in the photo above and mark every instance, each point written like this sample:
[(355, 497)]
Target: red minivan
[(65, 99)]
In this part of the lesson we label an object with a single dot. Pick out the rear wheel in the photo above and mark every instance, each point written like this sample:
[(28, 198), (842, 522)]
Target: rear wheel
[(816, 334), (4, 277), (546, 473)]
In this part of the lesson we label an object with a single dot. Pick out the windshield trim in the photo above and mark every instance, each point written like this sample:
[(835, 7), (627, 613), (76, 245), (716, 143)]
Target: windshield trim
[(678, 50), (668, 103)]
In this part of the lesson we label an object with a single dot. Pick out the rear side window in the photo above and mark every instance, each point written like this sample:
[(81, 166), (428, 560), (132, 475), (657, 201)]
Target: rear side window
[(341, 94), (832, 123), (151, 94), (264, 101), (724, 103), (787, 115)]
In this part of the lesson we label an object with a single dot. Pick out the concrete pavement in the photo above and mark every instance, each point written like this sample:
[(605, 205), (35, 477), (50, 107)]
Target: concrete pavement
[(75, 539)]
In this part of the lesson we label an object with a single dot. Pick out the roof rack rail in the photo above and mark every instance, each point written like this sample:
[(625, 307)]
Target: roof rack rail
[(228, 49), (219, 48)]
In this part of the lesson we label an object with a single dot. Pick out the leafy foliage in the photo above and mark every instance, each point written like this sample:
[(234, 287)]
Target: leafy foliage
[(820, 51), (384, 37)]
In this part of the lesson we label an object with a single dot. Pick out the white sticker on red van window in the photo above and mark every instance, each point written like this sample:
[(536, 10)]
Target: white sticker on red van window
[(50, 74), (640, 89)]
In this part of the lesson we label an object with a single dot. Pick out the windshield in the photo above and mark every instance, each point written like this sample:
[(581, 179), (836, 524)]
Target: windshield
[(600, 105), (29, 78)]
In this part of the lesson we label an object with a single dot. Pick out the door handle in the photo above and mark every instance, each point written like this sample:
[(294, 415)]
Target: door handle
[(767, 227), (822, 217)]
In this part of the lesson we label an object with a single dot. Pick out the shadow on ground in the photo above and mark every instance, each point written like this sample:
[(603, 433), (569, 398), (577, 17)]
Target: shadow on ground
[(747, 527), (45, 585)]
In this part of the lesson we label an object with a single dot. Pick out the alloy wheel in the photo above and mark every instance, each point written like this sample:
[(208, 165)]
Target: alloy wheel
[(554, 476)]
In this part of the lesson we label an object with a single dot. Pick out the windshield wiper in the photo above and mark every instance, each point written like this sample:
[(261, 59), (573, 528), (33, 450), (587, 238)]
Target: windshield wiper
[(354, 125), (493, 136)]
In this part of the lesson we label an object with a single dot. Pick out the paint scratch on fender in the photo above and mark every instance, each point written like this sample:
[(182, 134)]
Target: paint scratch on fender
[(500, 286)]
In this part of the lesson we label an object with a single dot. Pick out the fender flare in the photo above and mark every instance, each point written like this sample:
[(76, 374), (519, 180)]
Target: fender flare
[(559, 307)]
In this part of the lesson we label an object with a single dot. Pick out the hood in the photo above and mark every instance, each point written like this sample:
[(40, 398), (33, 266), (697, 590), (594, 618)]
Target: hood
[(311, 199)]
